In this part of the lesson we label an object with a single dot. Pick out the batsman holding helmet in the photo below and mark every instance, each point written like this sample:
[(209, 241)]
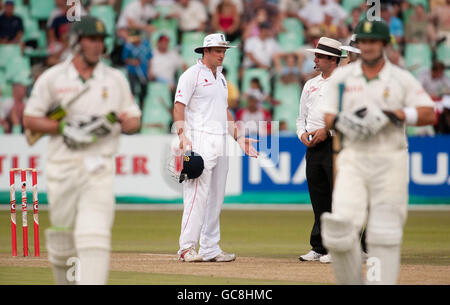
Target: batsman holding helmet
[(370, 102), (95, 105)]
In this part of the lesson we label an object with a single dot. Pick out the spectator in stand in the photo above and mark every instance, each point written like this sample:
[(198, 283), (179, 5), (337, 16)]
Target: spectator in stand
[(211, 5), (418, 28), (233, 94), (266, 98), (101, 2), (314, 12), (395, 56), (226, 19), (441, 18), (11, 26), (260, 50), (60, 8), (355, 17), (57, 41), (435, 82), (165, 63), (290, 71), (395, 24), (307, 58), (257, 12), (253, 119), (137, 15), (11, 110), (327, 26), (136, 55), (290, 8), (191, 14)]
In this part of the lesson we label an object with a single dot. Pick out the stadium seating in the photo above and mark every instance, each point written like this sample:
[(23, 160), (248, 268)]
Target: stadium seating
[(348, 5), (190, 41), (18, 68), (263, 76), (9, 52), (21, 10), (443, 54), (31, 29), (106, 14), (5, 86), (293, 37), (288, 94), (125, 3), (231, 63), (41, 9), (156, 110), (417, 57), (423, 2), (168, 27), (286, 113)]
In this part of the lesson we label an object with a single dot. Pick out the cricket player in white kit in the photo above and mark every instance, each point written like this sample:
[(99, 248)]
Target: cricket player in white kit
[(80, 158), (203, 122), (370, 102)]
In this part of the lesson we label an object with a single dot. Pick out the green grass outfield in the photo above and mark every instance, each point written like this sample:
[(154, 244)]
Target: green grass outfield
[(271, 234)]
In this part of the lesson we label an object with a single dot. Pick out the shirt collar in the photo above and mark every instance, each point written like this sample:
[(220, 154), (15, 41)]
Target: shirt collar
[(383, 74), (99, 70), (203, 66)]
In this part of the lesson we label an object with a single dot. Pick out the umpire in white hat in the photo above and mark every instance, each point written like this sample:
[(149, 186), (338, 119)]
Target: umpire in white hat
[(316, 137)]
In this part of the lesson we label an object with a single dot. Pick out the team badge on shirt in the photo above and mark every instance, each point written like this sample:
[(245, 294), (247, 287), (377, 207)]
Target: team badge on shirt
[(386, 93), (105, 93)]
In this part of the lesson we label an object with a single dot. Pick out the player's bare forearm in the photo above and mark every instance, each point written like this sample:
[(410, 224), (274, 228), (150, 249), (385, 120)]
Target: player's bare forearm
[(232, 128), (178, 115), (329, 120), (41, 124), (425, 115), (129, 125)]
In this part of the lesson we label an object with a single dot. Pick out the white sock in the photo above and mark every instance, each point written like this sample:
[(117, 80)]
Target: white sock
[(94, 265)]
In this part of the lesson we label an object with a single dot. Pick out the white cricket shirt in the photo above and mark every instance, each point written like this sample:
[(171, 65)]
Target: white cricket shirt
[(109, 91), (310, 117), (205, 97), (393, 88)]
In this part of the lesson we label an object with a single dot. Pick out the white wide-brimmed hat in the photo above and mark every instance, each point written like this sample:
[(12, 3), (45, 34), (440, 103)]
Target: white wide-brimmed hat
[(328, 46), (214, 40), (351, 46)]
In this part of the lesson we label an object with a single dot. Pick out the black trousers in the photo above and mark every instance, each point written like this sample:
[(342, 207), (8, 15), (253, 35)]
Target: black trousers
[(319, 175)]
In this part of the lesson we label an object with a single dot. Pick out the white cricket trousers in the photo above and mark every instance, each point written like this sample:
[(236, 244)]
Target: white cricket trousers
[(203, 197)]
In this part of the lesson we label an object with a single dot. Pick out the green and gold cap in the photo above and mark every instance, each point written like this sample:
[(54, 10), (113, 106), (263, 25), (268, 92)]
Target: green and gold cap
[(376, 30)]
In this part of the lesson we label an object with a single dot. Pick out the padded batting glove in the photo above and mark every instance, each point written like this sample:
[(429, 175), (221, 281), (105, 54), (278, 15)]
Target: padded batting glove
[(74, 136)]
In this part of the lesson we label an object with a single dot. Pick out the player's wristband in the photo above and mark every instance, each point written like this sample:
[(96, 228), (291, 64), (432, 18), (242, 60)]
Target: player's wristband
[(61, 126), (411, 115)]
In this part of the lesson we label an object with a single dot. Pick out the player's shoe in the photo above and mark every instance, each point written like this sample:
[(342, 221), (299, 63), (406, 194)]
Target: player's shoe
[(190, 255), (325, 259), (310, 256), (223, 257)]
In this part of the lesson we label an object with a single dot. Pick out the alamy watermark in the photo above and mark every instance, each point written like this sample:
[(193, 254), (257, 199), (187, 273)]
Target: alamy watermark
[(373, 269), (74, 12), (373, 10), (73, 273)]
